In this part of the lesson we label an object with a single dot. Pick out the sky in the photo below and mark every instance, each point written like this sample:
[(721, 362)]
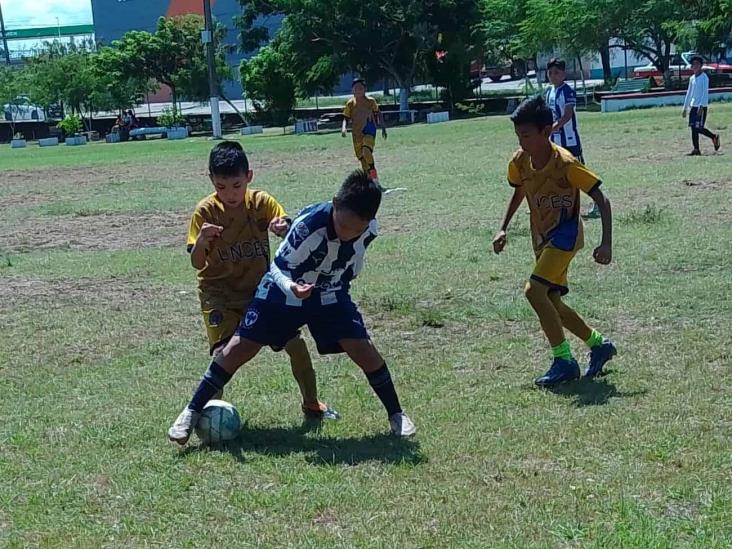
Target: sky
[(43, 13)]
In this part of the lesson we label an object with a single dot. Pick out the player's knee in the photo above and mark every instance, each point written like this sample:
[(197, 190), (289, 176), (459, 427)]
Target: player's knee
[(298, 352), (535, 291), (237, 353)]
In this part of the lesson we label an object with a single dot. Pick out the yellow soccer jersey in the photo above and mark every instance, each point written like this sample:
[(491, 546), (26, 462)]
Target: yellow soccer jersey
[(553, 197), (238, 259), (362, 115)]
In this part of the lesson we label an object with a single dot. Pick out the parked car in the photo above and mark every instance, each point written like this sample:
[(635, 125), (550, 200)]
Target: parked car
[(681, 67), (516, 69), (23, 110)]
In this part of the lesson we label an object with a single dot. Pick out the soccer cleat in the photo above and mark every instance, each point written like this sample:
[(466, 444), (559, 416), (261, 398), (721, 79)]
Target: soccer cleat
[(695, 152), (401, 425), (319, 410), (716, 142), (181, 430), (599, 356), (562, 370)]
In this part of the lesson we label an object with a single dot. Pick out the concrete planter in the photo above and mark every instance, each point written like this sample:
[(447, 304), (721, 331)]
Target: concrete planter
[(177, 133), (437, 117), (252, 130), (76, 141), (48, 142), (17, 144), (113, 138)]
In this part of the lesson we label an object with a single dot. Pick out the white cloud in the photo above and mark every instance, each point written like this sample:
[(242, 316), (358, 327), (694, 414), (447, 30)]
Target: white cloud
[(43, 13)]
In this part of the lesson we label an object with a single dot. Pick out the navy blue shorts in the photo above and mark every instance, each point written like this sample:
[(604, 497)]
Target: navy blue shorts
[(272, 324), (697, 117)]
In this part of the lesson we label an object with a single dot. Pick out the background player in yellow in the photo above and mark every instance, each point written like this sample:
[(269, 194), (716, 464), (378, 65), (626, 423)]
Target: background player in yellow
[(365, 117), (550, 178), (228, 242)]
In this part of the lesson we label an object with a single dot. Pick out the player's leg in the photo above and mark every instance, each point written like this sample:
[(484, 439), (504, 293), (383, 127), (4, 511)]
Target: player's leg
[(368, 144), (340, 328), (261, 325), (358, 149), (236, 353), (221, 325), (693, 124), (550, 275), (602, 350), (304, 374)]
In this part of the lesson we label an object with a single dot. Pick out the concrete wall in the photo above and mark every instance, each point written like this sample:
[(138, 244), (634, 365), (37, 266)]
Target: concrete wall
[(624, 102)]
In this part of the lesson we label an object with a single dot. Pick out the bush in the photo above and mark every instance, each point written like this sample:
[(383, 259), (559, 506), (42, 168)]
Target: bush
[(170, 118), (70, 125)]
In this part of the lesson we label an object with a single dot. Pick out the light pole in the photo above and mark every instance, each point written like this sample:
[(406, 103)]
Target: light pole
[(208, 39), (5, 38)]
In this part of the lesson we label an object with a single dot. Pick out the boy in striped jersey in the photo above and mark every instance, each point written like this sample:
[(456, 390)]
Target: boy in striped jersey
[(309, 284)]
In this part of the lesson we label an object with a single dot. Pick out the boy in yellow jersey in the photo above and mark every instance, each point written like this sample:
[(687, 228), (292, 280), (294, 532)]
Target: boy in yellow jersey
[(364, 114), (550, 179), (228, 243)]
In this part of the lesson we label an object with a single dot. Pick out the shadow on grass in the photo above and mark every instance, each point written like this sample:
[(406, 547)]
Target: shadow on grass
[(597, 392), (279, 441)]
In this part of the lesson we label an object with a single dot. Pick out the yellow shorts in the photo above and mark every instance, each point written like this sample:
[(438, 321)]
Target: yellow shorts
[(551, 269), (221, 325)]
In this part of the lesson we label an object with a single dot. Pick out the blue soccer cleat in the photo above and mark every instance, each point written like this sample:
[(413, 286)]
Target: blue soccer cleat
[(561, 370), (599, 356)]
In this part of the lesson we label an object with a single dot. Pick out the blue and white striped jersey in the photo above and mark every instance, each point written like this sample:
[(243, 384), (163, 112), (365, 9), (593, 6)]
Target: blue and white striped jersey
[(557, 98), (312, 254)]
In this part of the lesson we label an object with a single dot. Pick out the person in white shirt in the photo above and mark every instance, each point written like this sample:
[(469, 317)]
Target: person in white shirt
[(696, 104)]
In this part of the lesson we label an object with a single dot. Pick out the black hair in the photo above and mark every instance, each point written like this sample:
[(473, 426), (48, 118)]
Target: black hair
[(361, 81), (360, 195), (228, 159), (697, 58), (533, 110), (558, 63)]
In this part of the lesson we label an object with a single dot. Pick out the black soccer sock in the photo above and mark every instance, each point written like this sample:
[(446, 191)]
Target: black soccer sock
[(213, 381), (695, 138), (383, 386), (706, 133)]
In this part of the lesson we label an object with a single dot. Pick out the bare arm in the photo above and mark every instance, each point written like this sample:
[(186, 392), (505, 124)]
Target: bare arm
[(604, 253), (344, 127), (499, 242), (198, 254)]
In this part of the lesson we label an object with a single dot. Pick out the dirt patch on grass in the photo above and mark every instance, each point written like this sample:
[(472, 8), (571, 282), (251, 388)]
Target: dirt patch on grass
[(98, 232), (113, 293)]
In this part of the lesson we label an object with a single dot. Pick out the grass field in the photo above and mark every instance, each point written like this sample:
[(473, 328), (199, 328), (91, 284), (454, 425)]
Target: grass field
[(102, 345)]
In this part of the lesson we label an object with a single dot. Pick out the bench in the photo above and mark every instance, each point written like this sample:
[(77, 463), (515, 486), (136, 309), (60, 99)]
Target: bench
[(170, 133), (635, 85), (306, 126), (251, 130), (437, 117)]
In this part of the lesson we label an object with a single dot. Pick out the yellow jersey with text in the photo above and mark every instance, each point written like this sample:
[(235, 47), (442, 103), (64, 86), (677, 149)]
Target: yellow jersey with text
[(239, 258), (553, 194)]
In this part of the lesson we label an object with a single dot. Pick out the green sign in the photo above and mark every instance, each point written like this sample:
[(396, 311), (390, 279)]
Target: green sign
[(48, 32)]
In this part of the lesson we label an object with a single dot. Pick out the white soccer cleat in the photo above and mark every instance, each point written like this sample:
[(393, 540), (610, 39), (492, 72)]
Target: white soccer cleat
[(401, 425), (181, 430)]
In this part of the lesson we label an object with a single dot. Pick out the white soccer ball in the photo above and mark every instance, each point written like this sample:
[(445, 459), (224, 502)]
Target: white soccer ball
[(219, 422)]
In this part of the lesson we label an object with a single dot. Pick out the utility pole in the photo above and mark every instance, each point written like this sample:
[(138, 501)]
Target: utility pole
[(5, 37), (208, 39)]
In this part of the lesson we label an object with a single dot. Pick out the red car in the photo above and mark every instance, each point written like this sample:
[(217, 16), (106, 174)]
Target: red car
[(681, 66)]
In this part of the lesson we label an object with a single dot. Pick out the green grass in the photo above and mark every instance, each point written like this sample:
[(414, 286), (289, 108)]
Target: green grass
[(102, 345)]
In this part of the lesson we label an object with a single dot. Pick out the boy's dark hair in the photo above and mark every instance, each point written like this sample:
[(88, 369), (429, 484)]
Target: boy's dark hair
[(558, 63), (533, 110), (361, 81), (360, 195), (228, 159), (697, 58)]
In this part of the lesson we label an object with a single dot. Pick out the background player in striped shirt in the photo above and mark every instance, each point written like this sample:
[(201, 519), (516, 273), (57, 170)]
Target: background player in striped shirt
[(309, 284), (562, 100)]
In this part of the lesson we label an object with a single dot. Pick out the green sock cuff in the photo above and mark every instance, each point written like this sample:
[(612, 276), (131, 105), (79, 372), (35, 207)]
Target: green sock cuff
[(563, 350), (595, 339)]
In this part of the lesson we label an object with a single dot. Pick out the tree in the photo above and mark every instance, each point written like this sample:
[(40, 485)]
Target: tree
[(173, 56), (13, 82), (376, 38), (269, 83)]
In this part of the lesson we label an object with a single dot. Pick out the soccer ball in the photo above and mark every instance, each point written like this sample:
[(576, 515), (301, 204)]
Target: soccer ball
[(219, 422)]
